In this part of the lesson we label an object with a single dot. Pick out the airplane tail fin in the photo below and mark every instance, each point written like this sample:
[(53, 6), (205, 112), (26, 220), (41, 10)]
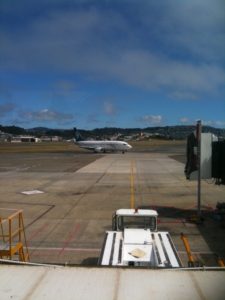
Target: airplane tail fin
[(77, 134)]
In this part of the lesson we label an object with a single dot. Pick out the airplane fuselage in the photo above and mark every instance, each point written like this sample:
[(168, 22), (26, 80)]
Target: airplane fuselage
[(105, 146)]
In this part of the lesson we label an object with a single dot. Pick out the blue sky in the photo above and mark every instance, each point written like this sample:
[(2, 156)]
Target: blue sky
[(114, 63)]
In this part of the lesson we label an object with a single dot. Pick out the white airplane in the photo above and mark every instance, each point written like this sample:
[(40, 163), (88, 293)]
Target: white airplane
[(101, 146)]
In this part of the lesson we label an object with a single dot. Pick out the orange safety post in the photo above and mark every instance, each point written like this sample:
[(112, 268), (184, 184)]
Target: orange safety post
[(191, 261)]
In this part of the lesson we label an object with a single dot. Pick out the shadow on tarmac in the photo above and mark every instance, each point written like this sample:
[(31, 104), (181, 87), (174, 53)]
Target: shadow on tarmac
[(210, 227)]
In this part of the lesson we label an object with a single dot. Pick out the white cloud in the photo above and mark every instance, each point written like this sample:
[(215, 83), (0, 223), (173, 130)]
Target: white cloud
[(213, 123), (152, 119), (66, 86), (220, 123), (184, 95), (184, 120), (176, 47), (207, 122), (6, 108), (193, 29), (46, 115), (110, 108), (143, 69)]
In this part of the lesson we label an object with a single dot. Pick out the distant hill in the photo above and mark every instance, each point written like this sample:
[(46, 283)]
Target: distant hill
[(14, 130), (168, 132)]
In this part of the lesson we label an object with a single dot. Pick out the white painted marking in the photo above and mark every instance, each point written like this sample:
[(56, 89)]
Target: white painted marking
[(33, 192)]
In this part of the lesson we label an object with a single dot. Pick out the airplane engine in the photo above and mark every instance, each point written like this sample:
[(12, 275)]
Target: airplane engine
[(99, 149)]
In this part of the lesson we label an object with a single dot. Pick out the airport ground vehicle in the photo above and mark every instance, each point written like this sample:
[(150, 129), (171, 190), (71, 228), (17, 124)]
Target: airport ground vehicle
[(135, 241)]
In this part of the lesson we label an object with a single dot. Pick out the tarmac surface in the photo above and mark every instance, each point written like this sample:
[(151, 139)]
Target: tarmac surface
[(66, 223)]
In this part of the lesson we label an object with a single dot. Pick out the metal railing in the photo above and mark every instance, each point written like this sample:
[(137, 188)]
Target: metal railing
[(12, 235)]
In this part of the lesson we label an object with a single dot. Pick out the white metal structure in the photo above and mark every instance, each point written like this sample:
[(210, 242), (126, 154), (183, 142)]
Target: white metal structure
[(71, 283), (135, 241)]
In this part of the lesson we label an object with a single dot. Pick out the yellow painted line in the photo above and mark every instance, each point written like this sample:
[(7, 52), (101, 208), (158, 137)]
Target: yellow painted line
[(132, 198)]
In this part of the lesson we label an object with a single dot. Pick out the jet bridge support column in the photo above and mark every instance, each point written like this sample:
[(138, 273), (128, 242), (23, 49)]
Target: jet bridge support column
[(199, 132)]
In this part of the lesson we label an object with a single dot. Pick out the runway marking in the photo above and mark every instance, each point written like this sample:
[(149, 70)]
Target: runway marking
[(132, 192), (41, 215), (36, 232), (70, 237), (50, 207), (139, 193)]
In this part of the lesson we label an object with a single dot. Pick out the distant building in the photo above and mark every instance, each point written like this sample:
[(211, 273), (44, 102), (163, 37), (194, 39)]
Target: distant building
[(24, 139), (46, 138), (4, 137), (56, 138)]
